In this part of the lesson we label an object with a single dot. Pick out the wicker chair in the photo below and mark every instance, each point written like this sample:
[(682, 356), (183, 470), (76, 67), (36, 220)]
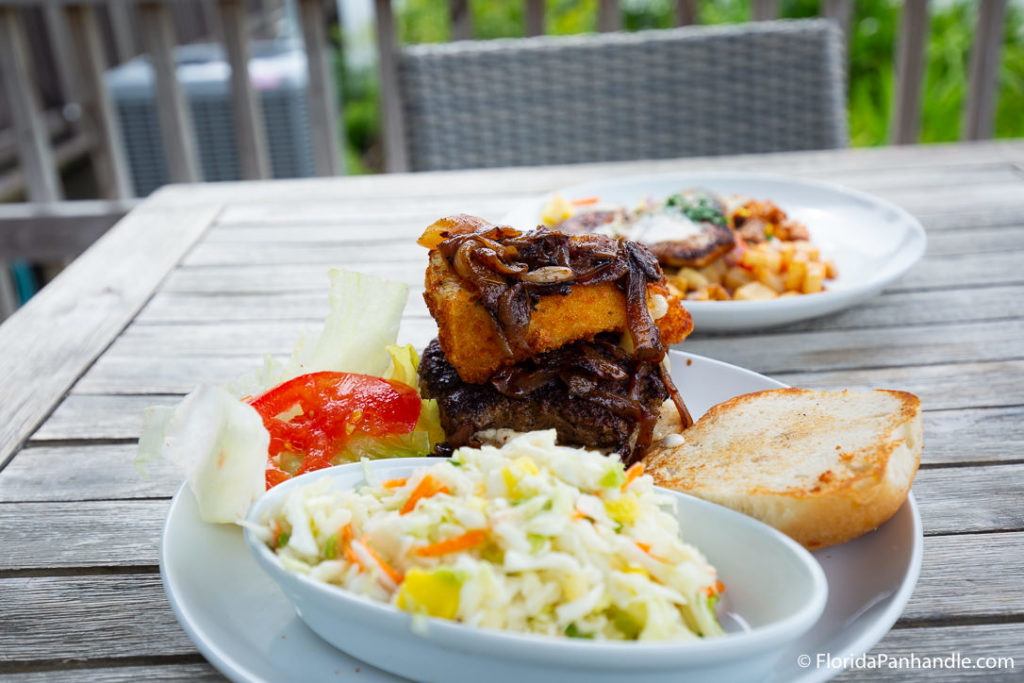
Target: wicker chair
[(762, 87)]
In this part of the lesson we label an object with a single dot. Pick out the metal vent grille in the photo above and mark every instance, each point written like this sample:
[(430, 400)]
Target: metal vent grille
[(285, 112)]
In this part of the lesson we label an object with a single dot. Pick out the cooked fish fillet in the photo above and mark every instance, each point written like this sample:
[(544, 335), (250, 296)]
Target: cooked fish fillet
[(470, 342)]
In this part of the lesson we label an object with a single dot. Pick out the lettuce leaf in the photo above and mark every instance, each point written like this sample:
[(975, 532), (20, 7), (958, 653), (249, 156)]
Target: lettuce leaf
[(365, 313)]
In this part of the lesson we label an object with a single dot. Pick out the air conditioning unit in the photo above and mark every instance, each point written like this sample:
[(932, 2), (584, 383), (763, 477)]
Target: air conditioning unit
[(277, 70)]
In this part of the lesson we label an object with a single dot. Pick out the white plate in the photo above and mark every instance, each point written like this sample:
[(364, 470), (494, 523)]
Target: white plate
[(243, 624), (872, 241)]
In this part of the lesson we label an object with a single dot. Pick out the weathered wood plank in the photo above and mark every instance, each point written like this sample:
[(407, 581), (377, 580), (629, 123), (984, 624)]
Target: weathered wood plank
[(109, 162), (86, 417), (396, 153), (973, 435), (81, 534), (460, 19), (889, 309), (982, 92), (952, 499), (764, 10), (329, 244), (940, 306), (954, 386), (978, 641), (271, 279), (953, 436), (962, 270), (57, 230), (687, 12), (886, 164), (840, 11), (853, 348), (32, 137), (969, 576), (534, 17), (403, 254), (405, 211), (127, 615), (94, 298), (85, 617), (323, 97), (175, 118), (956, 500), (910, 63), (250, 131), (84, 473)]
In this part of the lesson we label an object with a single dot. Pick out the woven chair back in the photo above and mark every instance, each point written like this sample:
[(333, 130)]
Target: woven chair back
[(694, 91)]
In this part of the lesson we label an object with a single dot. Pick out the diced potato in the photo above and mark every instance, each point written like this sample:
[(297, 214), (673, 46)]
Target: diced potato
[(814, 281), (676, 287), (694, 279), (788, 294), (804, 247), (787, 250), (767, 258), (796, 273), (830, 269), (736, 277), (754, 291), (770, 278), (717, 293), (711, 274)]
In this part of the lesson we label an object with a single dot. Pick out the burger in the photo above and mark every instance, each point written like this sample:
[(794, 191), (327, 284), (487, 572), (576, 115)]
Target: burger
[(547, 330)]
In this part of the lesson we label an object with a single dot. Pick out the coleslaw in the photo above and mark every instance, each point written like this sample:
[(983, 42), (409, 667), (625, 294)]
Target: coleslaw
[(529, 537)]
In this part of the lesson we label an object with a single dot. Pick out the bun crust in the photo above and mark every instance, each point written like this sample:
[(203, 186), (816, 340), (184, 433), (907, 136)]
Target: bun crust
[(822, 467)]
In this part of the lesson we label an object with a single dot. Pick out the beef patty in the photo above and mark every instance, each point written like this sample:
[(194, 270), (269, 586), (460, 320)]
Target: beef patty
[(592, 393)]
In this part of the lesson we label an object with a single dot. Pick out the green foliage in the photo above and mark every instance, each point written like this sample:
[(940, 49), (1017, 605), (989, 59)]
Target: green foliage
[(874, 31)]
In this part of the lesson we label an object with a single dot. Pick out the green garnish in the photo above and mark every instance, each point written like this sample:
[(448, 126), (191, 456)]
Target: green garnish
[(329, 549), (574, 632), (699, 208), (282, 539), (615, 477)]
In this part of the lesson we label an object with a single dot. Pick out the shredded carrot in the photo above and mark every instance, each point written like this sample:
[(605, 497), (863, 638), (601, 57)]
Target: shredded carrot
[(646, 547), (395, 483), (715, 589), (584, 202), (392, 573), (634, 471), (346, 533), (352, 558), (470, 539), (427, 487)]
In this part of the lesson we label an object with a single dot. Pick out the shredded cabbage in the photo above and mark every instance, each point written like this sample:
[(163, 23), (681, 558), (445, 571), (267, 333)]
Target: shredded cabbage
[(218, 441), (530, 537)]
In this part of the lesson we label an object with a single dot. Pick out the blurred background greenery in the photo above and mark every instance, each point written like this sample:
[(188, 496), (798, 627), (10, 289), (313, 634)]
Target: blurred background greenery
[(873, 35)]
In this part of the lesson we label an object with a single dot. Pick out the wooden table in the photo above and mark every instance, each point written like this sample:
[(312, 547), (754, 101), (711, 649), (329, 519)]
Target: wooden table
[(200, 281)]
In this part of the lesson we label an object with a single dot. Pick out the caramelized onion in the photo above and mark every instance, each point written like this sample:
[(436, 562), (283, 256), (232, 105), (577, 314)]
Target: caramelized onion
[(511, 269)]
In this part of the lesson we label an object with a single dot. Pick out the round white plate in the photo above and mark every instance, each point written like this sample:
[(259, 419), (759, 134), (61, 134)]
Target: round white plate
[(872, 241), (243, 624)]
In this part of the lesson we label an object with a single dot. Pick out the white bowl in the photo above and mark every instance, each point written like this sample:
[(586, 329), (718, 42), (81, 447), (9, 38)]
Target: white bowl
[(775, 592)]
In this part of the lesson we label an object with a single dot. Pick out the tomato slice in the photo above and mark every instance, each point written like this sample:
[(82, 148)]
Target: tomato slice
[(314, 415)]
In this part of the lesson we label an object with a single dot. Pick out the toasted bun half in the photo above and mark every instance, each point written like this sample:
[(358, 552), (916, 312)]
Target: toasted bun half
[(822, 467)]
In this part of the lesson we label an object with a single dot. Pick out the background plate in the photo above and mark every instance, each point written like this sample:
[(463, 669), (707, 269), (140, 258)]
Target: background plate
[(243, 624), (872, 241)]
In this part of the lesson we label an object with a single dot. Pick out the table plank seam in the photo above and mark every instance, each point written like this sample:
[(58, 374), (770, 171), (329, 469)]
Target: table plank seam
[(949, 622), (84, 570), (57, 665)]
